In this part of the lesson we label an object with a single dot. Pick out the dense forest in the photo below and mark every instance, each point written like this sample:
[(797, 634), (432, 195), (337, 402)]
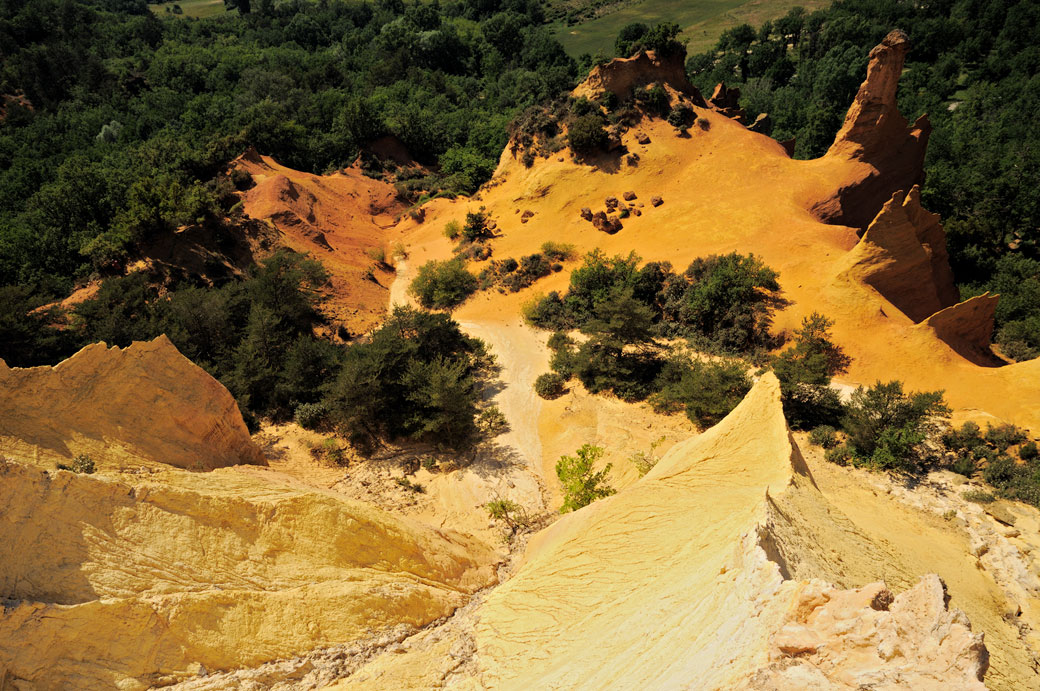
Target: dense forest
[(117, 125)]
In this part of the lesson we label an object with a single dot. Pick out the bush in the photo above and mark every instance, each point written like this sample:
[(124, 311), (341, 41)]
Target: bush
[(886, 426), (550, 385), (969, 437), (491, 421), (476, 227), (452, 230), (724, 301), (839, 454), (681, 117), (559, 340), (313, 416), (644, 461), (510, 513), (979, 496), (707, 390), (558, 251), (417, 377), (1003, 436), (80, 464), (964, 465), (825, 436), (547, 312), (443, 284), (1028, 451), (587, 136), (581, 486)]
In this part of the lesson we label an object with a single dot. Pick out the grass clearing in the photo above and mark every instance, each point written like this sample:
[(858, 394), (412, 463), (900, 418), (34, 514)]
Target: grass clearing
[(196, 9), (702, 21)]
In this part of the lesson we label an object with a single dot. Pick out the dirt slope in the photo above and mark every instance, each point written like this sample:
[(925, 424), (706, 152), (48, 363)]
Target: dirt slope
[(339, 219)]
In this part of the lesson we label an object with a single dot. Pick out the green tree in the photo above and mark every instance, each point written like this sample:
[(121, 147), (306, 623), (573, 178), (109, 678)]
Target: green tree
[(581, 485)]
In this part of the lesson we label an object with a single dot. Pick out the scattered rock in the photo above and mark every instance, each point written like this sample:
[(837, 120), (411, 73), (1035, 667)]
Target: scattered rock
[(656, 201), (586, 213), (611, 203), (629, 196), (1000, 513), (763, 124), (607, 224), (526, 216), (637, 212), (643, 138)]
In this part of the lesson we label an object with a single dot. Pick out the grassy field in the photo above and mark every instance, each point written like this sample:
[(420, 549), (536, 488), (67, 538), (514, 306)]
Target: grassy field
[(192, 8), (702, 21)]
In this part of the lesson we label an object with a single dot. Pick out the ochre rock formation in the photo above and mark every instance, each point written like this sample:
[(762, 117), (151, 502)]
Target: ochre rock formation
[(726, 100), (145, 403), (622, 75), (710, 572), (134, 581), (341, 219), (876, 135), (967, 327), (903, 256)]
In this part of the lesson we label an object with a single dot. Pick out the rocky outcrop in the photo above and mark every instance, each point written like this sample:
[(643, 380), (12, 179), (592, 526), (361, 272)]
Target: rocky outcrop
[(145, 403), (967, 327), (903, 256), (622, 75), (876, 133), (869, 638), (690, 557), (139, 581), (763, 124), (726, 100)]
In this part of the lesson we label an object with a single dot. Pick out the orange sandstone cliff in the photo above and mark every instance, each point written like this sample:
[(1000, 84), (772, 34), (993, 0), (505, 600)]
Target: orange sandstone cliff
[(889, 153)]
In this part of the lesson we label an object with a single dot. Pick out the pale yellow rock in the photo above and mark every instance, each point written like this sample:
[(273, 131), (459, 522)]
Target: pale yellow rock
[(145, 403), (133, 580)]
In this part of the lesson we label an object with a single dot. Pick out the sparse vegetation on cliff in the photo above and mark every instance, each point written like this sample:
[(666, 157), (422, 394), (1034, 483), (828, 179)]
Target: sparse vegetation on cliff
[(580, 483)]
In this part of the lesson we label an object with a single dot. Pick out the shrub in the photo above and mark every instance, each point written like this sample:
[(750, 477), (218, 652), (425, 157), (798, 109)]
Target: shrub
[(452, 230), (704, 124), (444, 284), (707, 390), (885, 425), (807, 406), (418, 377), (725, 301), (547, 312), (825, 436), (839, 454), (409, 485), (999, 471), (1003, 436), (559, 339), (581, 485), (313, 416), (558, 251), (586, 135), (82, 463), (805, 370), (964, 465), (510, 513), (377, 254), (1028, 451), (979, 496), (967, 437), (491, 421), (644, 461), (550, 385), (476, 227), (681, 117)]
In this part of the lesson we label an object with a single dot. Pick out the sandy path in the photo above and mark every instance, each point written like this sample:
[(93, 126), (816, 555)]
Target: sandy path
[(522, 355)]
